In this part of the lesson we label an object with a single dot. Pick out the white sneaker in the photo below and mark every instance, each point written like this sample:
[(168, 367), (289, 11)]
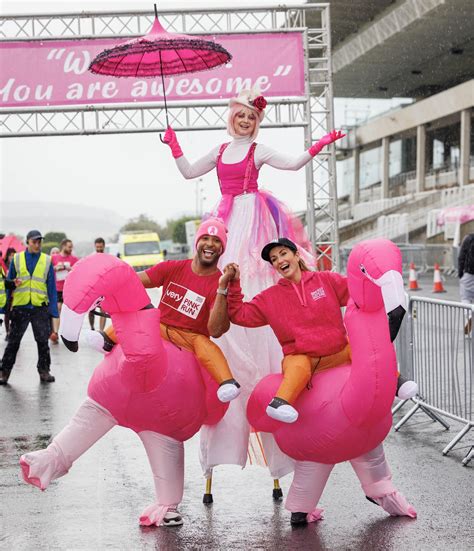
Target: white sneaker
[(98, 340), (409, 389), (94, 340), (228, 391), (284, 412), (172, 518)]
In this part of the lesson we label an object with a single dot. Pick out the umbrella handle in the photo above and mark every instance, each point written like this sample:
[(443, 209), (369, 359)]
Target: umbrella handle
[(162, 141)]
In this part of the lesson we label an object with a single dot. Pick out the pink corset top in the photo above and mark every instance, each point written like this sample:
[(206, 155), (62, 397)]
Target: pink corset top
[(237, 178)]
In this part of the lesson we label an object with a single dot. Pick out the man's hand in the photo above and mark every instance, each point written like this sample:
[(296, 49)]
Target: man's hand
[(231, 271), (17, 281)]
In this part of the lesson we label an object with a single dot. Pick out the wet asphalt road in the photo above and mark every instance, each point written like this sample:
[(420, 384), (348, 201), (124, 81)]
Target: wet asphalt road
[(97, 505)]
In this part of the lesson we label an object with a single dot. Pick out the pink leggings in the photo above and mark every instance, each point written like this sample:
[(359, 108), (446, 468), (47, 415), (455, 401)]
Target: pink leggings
[(373, 473), (87, 426)]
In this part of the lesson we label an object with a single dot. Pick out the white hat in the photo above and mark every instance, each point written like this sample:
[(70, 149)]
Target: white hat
[(252, 99)]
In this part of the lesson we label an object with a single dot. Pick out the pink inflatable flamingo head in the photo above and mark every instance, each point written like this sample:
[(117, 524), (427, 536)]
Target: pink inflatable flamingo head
[(378, 264), (99, 279)]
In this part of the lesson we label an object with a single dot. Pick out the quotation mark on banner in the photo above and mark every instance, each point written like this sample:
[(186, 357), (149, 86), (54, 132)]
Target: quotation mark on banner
[(74, 62), (282, 70), (56, 54)]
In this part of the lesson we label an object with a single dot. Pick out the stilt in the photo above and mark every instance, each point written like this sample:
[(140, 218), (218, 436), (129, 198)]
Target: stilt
[(277, 491), (207, 497)]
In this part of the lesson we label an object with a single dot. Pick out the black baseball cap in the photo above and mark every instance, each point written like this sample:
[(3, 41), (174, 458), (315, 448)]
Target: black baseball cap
[(282, 242), (33, 234)]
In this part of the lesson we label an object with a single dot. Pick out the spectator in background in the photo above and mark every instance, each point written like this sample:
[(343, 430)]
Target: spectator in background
[(63, 262), (466, 274), (34, 300), (8, 260), (54, 250), (99, 244)]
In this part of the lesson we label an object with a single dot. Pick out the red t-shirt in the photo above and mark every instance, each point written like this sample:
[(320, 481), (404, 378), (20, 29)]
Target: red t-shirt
[(61, 275), (187, 298)]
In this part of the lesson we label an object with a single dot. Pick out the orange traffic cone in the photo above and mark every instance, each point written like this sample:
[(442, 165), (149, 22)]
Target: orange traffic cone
[(413, 279), (437, 283)]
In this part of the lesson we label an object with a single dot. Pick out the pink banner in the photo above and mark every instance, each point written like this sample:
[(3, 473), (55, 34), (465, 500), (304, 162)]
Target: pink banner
[(55, 73)]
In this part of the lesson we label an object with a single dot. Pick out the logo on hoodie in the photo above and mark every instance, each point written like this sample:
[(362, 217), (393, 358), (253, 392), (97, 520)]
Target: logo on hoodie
[(183, 300), (319, 293)]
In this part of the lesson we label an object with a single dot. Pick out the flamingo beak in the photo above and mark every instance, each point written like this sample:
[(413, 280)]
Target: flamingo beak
[(70, 327), (394, 298)]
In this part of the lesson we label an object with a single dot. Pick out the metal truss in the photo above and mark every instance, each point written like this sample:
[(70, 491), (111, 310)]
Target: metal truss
[(380, 31), (314, 112), (143, 117)]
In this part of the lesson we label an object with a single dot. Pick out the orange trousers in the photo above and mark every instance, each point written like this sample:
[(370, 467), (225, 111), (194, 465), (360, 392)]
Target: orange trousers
[(299, 368), (207, 353)]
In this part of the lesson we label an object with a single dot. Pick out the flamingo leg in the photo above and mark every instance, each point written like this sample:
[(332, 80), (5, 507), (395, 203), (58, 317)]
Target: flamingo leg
[(308, 484), (375, 478), (89, 424), (166, 457)]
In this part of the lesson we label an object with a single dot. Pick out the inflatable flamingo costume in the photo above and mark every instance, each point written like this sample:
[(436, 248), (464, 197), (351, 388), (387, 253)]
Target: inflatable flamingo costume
[(346, 414), (131, 387)]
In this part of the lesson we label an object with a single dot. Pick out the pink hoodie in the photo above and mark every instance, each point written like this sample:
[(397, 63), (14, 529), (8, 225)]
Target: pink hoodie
[(305, 318)]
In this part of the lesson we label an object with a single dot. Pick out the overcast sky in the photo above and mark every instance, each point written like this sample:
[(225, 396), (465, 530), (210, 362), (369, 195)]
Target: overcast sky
[(130, 174)]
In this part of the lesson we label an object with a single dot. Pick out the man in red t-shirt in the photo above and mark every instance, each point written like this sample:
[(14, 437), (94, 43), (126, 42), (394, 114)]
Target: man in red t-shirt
[(193, 306), (62, 264)]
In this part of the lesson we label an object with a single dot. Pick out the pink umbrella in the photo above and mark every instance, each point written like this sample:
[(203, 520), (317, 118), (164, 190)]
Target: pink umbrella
[(160, 53)]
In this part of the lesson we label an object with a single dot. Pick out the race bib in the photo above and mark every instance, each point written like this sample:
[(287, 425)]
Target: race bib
[(183, 300)]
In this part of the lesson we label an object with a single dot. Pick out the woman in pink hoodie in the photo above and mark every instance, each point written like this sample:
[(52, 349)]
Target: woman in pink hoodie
[(304, 311)]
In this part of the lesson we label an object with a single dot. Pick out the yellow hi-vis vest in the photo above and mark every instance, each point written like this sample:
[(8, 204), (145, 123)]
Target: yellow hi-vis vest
[(33, 288), (3, 293)]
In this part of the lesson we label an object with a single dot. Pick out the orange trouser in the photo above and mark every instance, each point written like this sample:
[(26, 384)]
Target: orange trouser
[(299, 368), (207, 353)]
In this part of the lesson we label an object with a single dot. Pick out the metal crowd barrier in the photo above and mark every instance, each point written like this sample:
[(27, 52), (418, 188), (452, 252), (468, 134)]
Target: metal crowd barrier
[(435, 348)]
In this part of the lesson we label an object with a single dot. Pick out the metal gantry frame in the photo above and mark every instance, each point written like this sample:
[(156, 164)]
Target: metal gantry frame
[(313, 112)]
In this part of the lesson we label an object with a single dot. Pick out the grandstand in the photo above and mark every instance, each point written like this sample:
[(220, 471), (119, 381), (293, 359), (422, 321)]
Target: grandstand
[(404, 168)]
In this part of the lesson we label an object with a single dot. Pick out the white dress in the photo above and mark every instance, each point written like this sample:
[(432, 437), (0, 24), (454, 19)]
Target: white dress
[(253, 219)]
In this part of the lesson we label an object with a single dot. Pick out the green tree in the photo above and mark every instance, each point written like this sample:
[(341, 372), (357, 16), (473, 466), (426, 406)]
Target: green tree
[(144, 222), (178, 229), (54, 237)]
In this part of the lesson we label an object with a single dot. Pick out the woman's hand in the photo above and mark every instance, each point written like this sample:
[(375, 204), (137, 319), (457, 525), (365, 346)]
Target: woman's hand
[(333, 136), (171, 140), (231, 271)]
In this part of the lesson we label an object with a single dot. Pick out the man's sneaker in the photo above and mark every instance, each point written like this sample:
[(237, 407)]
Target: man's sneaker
[(99, 340), (406, 389), (298, 519), (4, 376), (46, 377), (281, 410), (172, 517), (228, 390)]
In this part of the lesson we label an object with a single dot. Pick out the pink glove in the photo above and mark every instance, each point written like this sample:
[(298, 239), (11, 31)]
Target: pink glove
[(325, 140), (171, 140)]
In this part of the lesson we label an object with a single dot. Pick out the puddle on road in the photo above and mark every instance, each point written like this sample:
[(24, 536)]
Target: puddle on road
[(11, 448)]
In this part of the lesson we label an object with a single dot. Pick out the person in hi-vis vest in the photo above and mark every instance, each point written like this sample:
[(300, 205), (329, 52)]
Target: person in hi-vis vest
[(5, 285), (34, 301)]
